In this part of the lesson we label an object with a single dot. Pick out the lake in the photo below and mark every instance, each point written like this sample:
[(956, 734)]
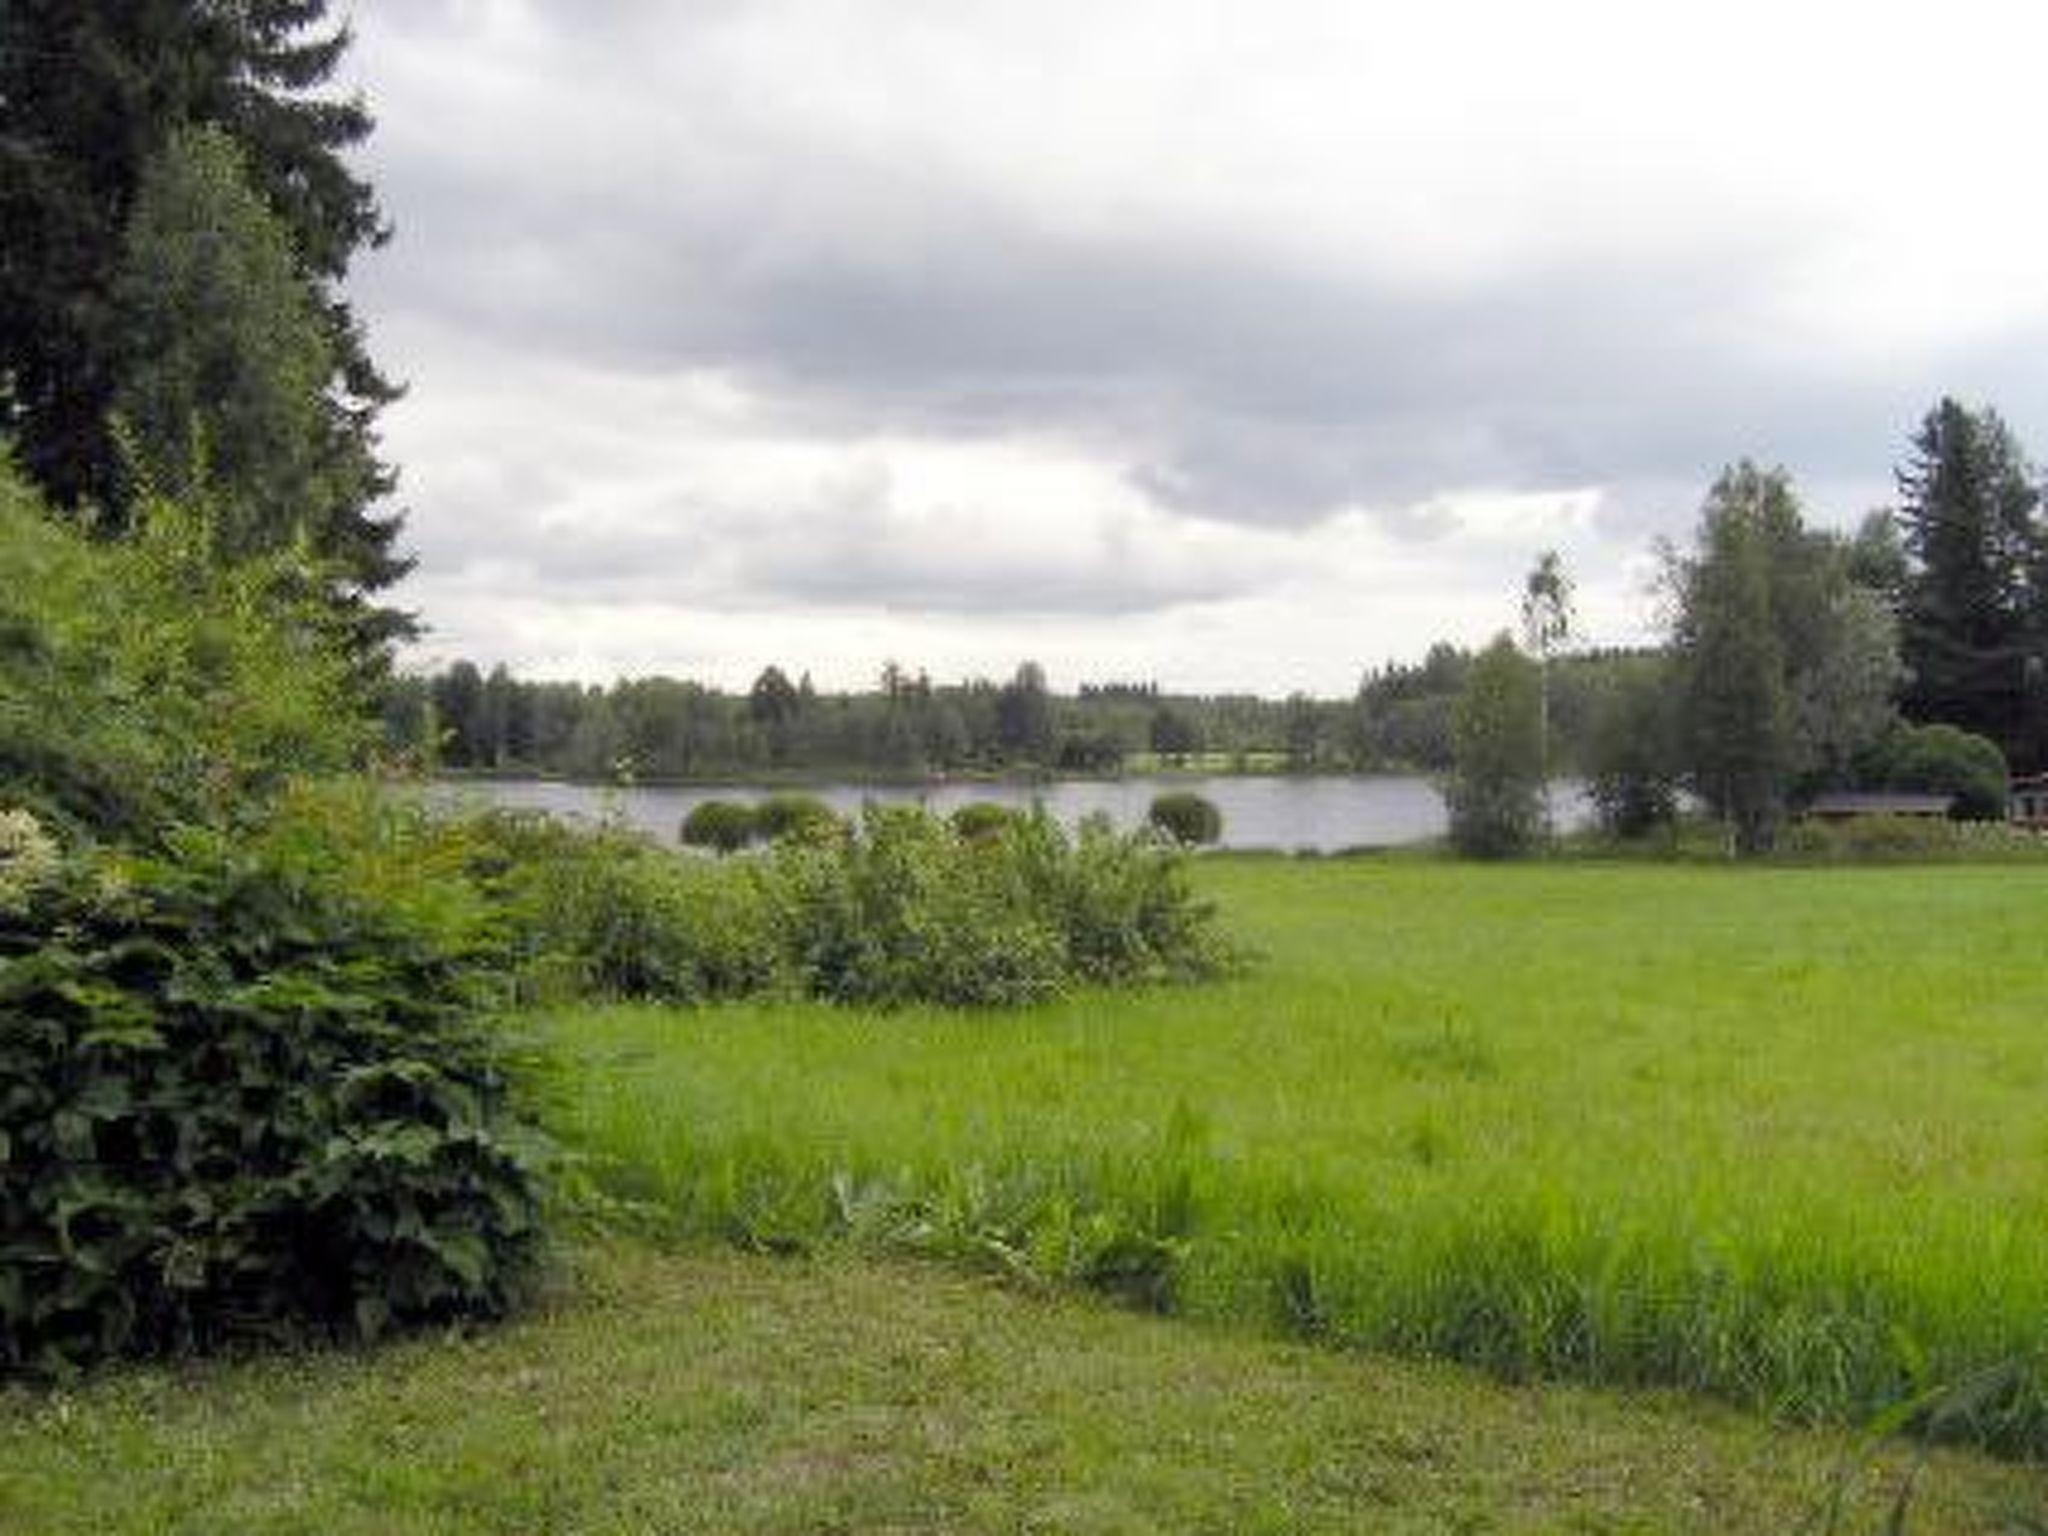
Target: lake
[(1319, 813)]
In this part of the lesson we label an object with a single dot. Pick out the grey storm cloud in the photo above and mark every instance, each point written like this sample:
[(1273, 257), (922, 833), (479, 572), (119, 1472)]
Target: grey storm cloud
[(649, 190), (1235, 384), (849, 542)]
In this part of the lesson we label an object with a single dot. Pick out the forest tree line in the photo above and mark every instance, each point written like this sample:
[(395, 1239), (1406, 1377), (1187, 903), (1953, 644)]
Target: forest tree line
[(661, 728), (1933, 612)]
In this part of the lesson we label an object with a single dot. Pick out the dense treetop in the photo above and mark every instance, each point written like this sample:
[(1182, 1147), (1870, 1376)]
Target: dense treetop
[(92, 95)]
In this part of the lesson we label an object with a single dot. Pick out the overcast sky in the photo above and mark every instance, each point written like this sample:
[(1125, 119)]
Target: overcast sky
[(1233, 345)]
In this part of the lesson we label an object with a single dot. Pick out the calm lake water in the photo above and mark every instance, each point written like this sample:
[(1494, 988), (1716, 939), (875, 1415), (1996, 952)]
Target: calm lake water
[(1324, 814)]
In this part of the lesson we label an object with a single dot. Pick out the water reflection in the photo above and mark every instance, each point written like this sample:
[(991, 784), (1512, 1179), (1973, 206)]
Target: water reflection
[(1323, 814)]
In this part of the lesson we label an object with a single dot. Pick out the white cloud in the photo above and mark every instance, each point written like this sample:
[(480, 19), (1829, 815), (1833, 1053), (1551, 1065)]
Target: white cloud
[(1239, 345)]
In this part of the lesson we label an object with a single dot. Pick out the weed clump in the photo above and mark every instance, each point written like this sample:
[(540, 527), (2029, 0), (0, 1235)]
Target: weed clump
[(901, 908)]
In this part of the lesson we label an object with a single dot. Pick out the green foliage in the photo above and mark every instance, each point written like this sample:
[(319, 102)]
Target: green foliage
[(1186, 817), (1907, 840), (1024, 715), (1632, 771), (804, 818), (1735, 712), (606, 912), (1495, 791), (910, 911), (146, 681), (76, 137), (1942, 760), (1785, 667), (724, 826), (1976, 593), (984, 819), (847, 1394), (246, 1089), (1772, 1137), (224, 354), (1173, 733), (903, 908), (673, 730)]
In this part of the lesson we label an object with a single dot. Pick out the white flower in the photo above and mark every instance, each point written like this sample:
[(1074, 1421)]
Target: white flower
[(29, 859)]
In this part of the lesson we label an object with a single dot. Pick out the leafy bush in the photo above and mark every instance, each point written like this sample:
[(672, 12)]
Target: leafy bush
[(1943, 760), (983, 819), (146, 682), (1495, 790), (241, 1095), (903, 908), (909, 912), (1186, 817), (805, 818), (1632, 773), (724, 826), (606, 912)]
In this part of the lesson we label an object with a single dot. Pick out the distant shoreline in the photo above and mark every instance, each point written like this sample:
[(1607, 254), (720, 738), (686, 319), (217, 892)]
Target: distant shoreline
[(805, 778)]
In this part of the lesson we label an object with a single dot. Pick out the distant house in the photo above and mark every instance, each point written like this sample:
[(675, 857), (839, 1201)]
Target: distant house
[(2027, 803), (1847, 805)]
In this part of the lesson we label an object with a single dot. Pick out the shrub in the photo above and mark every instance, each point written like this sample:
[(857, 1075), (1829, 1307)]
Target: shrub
[(238, 1095), (606, 912), (901, 909), (802, 818), (1944, 760), (724, 826), (1632, 772), (1908, 839), (983, 820), (1127, 916), (1495, 791), (147, 682), (1186, 817), (909, 912)]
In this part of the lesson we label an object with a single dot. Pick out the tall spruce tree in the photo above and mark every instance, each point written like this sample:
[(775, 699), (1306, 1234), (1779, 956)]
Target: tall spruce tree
[(223, 356), (1976, 597), (91, 91)]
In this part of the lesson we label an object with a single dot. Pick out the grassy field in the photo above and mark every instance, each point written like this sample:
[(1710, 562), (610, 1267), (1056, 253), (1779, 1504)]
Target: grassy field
[(722, 1393), (1774, 1135)]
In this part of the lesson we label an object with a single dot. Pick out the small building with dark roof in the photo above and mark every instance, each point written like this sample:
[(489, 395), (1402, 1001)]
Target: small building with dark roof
[(1847, 805), (2026, 803)]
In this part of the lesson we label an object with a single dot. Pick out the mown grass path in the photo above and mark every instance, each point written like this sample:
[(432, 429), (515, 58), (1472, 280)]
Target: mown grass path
[(718, 1393), (1770, 1134)]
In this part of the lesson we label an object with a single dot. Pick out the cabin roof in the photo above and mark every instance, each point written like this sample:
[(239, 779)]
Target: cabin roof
[(1880, 803)]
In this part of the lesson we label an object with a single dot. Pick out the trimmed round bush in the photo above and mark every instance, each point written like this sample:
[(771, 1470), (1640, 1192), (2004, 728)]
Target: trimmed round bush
[(723, 826), (243, 1095), (1186, 817), (803, 818)]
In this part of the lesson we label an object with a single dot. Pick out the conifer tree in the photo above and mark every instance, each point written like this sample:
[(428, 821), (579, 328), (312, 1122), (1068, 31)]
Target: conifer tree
[(223, 355), (91, 92), (1974, 598)]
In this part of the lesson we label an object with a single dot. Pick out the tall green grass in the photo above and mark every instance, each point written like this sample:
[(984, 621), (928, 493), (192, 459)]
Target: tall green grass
[(1775, 1135)]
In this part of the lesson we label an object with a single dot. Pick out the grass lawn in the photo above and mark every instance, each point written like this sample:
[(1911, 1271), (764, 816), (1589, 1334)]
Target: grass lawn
[(723, 1393), (1776, 1134)]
